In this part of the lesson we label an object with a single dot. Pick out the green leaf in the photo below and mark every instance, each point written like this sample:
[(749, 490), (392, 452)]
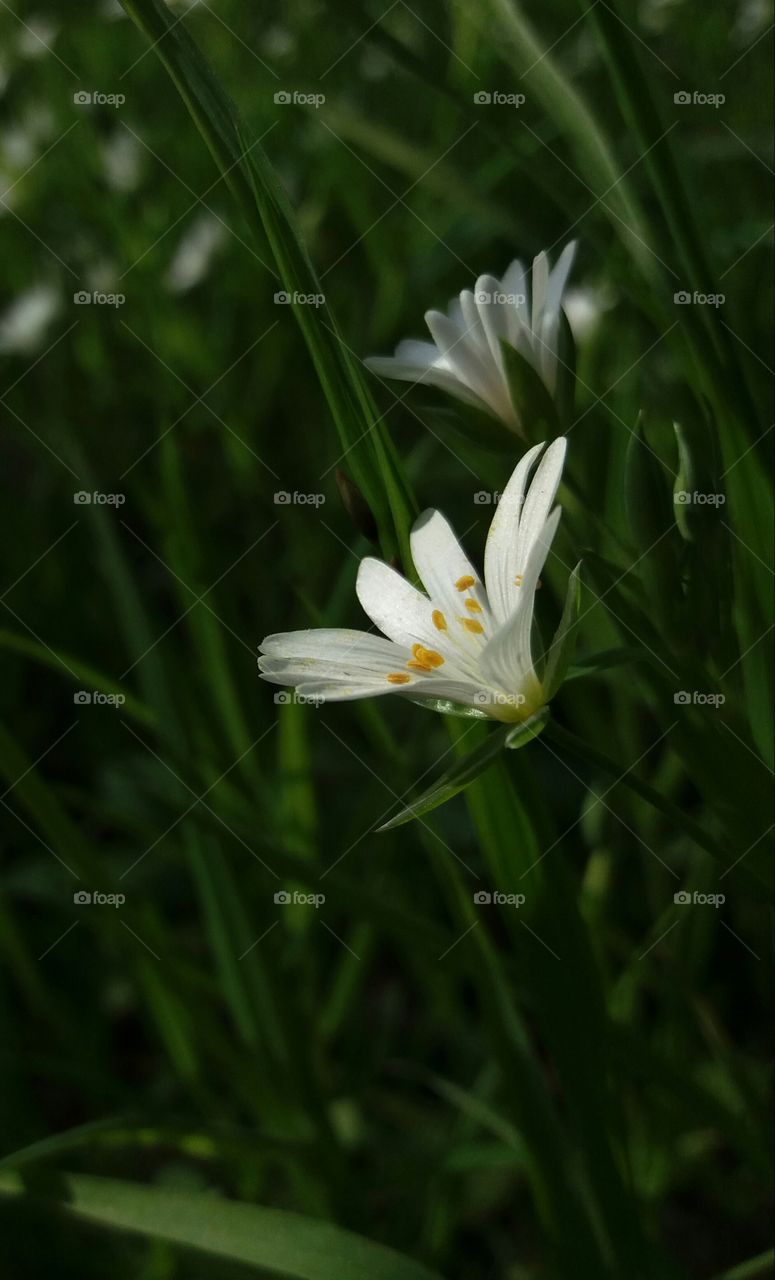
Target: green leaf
[(532, 402), (472, 425), (280, 1243), (685, 483), (649, 505), (466, 770), (565, 395), (454, 780), (607, 660), (646, 491), (249, 174), (521, 734), (561, 650), (88, 676)]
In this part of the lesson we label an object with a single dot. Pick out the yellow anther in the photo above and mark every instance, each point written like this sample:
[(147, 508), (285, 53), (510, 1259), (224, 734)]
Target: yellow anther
[(518, 580), (398, 677), (427, 657), (439, 621), (473, 606), (471, 624), (418, 666), (465, 582)]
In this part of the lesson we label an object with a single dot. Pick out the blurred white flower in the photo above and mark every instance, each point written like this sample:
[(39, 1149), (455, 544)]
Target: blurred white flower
[(468, 641), (23, 325), (121, 160), (193, 256), (583, 308), (37, 36), (522, 310)]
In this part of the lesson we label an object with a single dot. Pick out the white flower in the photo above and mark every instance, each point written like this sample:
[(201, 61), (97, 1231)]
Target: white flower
[(468, 640), (523, 309)]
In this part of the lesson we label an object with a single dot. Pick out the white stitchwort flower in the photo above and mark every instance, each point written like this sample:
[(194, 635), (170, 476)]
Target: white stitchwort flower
[(523, 310), (468, 640)]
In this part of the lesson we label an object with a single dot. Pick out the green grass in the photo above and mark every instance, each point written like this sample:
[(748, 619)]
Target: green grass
[(393, 1080)]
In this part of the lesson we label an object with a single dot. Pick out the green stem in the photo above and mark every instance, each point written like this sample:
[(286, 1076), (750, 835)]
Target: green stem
[(590, 755)]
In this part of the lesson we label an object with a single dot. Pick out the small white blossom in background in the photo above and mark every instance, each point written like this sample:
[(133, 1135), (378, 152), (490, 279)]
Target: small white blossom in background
[(122, 160), (584, 308), (23, 325), (193, 257), (523, 310), (37, 36), (468, 641)]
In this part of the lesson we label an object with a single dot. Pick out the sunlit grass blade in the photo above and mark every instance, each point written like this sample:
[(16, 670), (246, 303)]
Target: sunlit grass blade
[(280, 1243)]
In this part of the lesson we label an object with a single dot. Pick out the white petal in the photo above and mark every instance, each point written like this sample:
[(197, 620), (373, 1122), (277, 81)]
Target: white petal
[(502, 540), (558, 277), (463, 356), (335, 664), (494, 315), (427, 375), (507, 660), (468, 693), (442, 565), (515, 281), (539, 499), (394, 605), (342, 691), (329, 643), (472, 324)]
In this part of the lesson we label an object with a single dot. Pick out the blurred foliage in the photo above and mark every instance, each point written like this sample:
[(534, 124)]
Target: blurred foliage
[(575, 1088)]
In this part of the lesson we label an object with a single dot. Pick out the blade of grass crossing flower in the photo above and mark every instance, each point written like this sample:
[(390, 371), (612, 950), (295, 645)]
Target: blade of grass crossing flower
[(252, 180)]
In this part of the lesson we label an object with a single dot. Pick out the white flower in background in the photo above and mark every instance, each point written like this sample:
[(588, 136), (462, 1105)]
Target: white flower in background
[(122, 160), (523, 309), (23, 326), (37, 37), (194, 254), (468, 640)]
